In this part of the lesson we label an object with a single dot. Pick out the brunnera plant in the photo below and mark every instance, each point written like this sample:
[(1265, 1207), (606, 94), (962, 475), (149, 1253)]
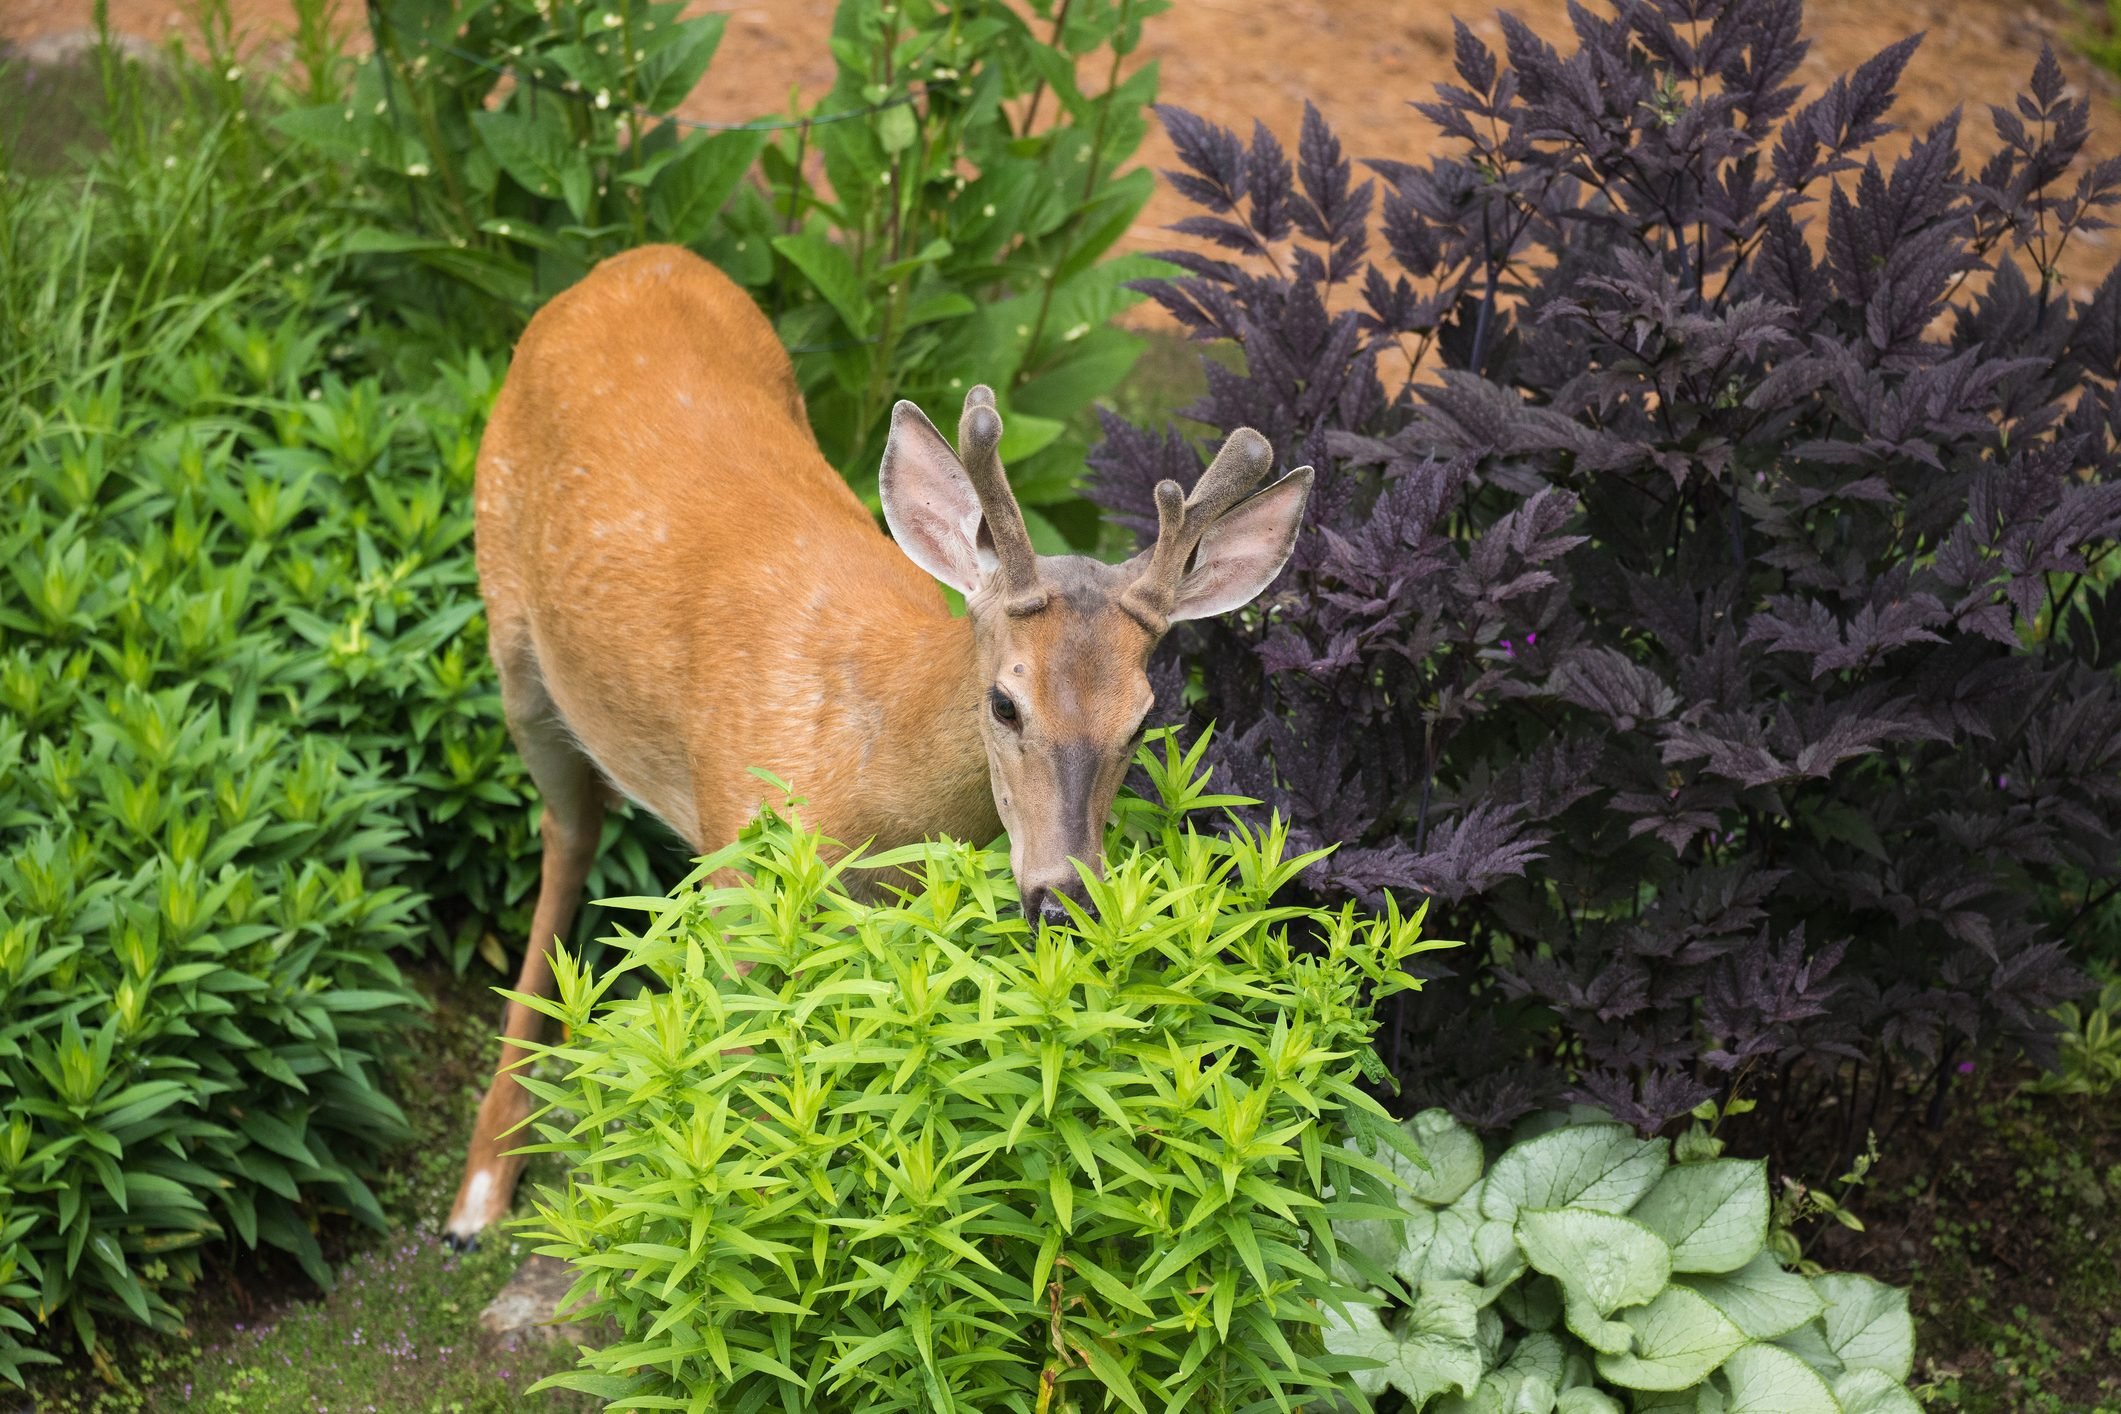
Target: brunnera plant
[(1715, 617), (1584, 1266), (913, 1156)]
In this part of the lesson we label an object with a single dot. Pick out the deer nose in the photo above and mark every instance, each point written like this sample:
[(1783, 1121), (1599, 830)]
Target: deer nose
[(1042, 904)]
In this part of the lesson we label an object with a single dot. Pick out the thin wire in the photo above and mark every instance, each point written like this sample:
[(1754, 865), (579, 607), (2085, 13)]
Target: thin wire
[(537, 81)]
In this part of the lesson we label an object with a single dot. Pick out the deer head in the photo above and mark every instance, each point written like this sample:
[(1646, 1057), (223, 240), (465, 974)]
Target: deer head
[(1063, 641)]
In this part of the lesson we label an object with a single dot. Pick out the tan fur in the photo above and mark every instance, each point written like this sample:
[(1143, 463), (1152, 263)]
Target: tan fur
[(679, 587)]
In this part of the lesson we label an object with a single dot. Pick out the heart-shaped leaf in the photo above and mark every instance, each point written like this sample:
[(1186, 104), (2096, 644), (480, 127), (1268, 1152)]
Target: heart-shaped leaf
[(1679, 1339), (1601, 1166), (1433, 1348), (1765, 1379), (1714, 1215), (1760, 1297), (1603, 1259), (1873, 1392), (1867, 1323)]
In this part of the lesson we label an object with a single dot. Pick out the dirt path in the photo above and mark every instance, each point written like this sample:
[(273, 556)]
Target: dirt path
[(1359, 60)]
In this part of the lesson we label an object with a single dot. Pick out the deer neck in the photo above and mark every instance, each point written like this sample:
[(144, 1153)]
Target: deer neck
[(928, 772)]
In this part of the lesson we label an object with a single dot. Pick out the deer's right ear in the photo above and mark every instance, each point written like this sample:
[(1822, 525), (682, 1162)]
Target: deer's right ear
[(929, 503)]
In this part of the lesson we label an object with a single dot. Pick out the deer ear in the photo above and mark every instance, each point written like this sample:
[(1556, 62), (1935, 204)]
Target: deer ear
[(929, 503), (1244, 550)]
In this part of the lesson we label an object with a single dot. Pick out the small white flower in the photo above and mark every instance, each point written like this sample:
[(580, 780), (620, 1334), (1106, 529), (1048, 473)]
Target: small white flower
[(169, 162), (382, 107), (1076, 333), (987, 210), (612, 21), (235, 71), (416, 169), (315, 393), (603, 98)]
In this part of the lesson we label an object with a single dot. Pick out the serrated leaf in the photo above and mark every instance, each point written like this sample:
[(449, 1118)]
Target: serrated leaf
[(1714, 1214), (1760, 1297), (1867, 1323), (1679, 1339), (1874, 1392), (1432, 1348), (1766, 1379), (1454, 1156), (1605, 1260), (1599, 1166)]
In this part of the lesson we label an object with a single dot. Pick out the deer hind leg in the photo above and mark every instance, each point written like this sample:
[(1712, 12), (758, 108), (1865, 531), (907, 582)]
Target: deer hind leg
[(572, 823)]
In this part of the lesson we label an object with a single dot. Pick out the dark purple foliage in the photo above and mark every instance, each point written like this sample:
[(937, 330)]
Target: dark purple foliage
[(1711, 627)]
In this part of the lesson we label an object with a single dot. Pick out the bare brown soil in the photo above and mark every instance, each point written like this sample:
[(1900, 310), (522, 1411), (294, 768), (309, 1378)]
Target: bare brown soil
[(1360, 61)]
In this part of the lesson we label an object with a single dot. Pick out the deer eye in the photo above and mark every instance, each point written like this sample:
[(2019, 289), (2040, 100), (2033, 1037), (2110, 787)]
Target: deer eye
[(1003, 708)]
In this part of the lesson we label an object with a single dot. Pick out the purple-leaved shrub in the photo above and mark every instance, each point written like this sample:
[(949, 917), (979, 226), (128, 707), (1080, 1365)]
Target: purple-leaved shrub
[(1715, 621)]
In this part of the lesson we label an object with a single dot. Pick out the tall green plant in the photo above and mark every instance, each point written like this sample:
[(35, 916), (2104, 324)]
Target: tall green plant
[(937, 219), (917, 1156), (197, 896)]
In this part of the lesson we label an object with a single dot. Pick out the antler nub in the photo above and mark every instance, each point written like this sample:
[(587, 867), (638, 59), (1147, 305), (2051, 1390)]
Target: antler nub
[(979, 440), (1181, 521)]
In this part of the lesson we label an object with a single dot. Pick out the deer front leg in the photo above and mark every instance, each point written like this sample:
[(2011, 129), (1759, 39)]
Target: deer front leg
[(571, 826)]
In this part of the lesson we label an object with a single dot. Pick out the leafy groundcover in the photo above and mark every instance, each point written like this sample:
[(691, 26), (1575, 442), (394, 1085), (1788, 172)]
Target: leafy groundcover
[(1585, 1266)]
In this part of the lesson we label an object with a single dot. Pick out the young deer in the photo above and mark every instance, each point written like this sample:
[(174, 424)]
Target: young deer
[(679, 587)]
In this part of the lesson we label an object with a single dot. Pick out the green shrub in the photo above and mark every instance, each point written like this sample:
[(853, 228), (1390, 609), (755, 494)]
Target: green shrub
[(238, 708), (1584, 1267), (197, 894), (952, 229), (958, 1160)]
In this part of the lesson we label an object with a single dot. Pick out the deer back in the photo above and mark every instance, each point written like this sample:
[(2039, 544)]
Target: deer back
[(697, 591)]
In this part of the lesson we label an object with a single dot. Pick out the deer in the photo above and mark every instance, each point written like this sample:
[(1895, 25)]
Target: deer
[(679, 588)]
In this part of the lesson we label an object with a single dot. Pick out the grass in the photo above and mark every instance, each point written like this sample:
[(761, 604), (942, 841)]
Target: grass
[(399, 1332)]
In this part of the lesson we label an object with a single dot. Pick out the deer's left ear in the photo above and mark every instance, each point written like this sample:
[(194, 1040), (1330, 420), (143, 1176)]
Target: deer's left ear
[(1242, 552), (929, 503)]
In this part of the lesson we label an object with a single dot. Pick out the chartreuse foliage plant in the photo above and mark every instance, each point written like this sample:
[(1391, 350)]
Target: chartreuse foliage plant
[(938, 217), (1589, 1271), (914, 1156)]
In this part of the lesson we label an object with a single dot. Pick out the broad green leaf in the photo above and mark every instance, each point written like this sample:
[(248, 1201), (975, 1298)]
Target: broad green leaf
[(1808, 1343), (688, 192), (1766, 1379), (1605, 1260), (1867, 1323), (1679, 1339), (1454, 1156), (1713, 1214), (534, 146), (1760, 1297), (1527, 1383), (1433, 1347), (826, 265), (1395, 1247), (1585, 1400), (1874, 1392), (1601, 1166)]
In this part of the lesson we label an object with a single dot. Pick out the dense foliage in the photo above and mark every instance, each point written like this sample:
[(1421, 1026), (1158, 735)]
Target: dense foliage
[(198, 892), (938, 215), (1715, 615), (919, 1158), (1585, 1265), (250, 746)]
